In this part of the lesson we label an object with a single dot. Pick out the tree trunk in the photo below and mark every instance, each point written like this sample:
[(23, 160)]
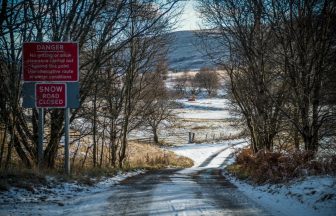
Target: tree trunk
[(296, 140), (102, 150), (156, 138), (86, 153), (296, 137), (50, 153), (122, 154), (21, 153), (113, 147), (3, 143), (10, 146), (94, 129)]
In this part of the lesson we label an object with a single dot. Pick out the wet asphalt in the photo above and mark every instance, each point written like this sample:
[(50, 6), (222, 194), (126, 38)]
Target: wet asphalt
[(197, 191), (172, 192)]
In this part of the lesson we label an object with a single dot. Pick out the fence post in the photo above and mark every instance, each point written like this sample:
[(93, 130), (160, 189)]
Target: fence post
[(189, 137)]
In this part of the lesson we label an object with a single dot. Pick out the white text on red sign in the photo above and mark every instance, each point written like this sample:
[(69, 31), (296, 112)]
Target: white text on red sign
[(50, 95), (50, 62)]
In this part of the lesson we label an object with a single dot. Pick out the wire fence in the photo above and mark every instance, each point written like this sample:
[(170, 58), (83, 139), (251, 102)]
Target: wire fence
[(189, 137)]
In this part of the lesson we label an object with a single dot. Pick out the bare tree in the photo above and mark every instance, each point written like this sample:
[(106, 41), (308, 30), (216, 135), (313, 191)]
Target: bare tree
[(279, 55), (305, 31), (102, 30), (3, 12), (159, 109), (240, 27), (207, 79), (181, 84)]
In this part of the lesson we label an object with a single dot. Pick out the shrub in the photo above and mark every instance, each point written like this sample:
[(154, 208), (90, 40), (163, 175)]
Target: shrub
[(276, 167)]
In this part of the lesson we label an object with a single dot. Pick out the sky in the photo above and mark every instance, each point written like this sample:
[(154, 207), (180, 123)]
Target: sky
[(190, 18)]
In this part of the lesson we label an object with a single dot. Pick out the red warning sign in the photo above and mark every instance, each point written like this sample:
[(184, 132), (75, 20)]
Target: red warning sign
[(54, 61), (51, 95)]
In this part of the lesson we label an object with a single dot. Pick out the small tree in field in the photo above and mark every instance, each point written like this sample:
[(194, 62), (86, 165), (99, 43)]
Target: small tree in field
[(208, 79), (158, 105)]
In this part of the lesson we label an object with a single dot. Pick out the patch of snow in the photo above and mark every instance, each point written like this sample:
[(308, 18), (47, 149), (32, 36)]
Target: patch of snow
[(314, 195), (208, 103), (204, 108), (200, 152), (53, 199)]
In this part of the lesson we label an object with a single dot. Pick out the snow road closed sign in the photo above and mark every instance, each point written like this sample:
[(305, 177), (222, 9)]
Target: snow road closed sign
[(50, 95)]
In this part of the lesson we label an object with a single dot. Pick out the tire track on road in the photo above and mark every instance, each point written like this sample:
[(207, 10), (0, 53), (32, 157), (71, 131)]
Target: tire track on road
[(211, 157), (225, 162)]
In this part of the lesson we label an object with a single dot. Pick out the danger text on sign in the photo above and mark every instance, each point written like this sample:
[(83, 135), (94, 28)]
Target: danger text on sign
[(50, 62)]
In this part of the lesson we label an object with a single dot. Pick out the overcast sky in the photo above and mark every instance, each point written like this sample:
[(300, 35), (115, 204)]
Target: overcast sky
[(190, 18)]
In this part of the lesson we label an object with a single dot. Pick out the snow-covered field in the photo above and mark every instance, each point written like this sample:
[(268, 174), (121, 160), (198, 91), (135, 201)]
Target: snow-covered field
[(209, 109), (208, 118)]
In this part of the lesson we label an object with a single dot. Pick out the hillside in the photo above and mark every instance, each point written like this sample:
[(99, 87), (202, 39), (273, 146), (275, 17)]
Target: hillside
[(185, 52)]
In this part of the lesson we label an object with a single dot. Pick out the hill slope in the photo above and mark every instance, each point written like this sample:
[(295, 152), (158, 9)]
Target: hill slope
[(185, 52)]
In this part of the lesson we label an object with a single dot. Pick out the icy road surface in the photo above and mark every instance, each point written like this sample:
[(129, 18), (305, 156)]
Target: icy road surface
[(181, 192), (201, 190)]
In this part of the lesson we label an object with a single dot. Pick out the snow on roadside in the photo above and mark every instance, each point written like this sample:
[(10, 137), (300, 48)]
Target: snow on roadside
[(60, 191), (315, 195), (311, 196)]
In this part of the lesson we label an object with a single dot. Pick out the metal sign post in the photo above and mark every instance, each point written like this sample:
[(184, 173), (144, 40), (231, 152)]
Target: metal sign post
[(40, 137)]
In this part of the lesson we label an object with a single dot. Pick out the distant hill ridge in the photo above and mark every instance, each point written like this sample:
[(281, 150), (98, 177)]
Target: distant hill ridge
[(184, 52)]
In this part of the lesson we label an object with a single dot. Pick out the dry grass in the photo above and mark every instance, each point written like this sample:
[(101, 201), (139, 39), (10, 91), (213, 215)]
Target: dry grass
[(140, 156), (203, 127), (148, 156)]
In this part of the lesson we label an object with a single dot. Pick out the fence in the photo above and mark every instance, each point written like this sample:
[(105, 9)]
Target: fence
[(189, 137)]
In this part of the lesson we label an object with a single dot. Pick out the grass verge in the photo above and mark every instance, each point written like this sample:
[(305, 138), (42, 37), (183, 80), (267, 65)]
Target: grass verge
[(148, 156)]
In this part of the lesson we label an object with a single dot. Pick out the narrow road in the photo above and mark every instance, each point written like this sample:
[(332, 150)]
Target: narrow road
[(194, 191), (201, 190), (180, 192)]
